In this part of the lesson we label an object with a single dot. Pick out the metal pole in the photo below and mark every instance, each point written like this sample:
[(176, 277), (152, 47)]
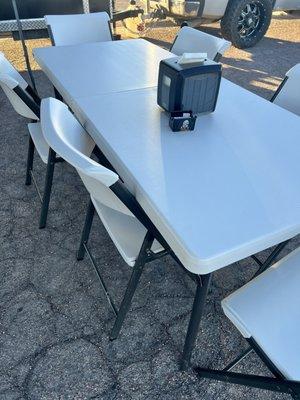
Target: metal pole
[(14, 4), (195, 319)]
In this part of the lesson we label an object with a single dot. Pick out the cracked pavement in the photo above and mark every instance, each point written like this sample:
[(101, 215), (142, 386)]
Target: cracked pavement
[(54, 319)]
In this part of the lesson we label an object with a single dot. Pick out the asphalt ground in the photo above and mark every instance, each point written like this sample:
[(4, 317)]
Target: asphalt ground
[(54, 320)]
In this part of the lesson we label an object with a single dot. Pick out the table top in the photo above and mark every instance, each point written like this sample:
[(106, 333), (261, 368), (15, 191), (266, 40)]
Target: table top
[(103, 67), (218, 194)]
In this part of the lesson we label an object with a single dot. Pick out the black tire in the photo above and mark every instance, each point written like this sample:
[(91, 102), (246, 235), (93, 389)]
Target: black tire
[(246, 21)]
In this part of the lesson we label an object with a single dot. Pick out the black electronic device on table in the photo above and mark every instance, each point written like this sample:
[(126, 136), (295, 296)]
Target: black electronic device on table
[(188, 86)]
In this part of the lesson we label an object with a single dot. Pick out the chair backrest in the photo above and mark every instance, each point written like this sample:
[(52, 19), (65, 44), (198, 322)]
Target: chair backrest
[(190, 40), (78, 28), (67, 138), (288, 93), (15, 88)]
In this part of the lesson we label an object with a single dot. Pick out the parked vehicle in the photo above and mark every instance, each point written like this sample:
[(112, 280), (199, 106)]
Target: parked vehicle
[(243, 22)]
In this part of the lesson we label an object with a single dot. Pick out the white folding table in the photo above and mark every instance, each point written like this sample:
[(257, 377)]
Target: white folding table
[(104, 67), (221, 193)]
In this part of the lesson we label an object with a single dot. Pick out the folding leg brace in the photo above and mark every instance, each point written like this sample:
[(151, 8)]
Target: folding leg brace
[(271, 258), (145, 256), (255, 381)]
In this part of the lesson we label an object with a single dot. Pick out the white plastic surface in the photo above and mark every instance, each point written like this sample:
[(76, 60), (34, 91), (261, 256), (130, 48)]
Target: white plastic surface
[(10, 79), (79, 28), (7, 83), (190, 40), (218, 194), (65, 135), (126, 232), (268, 309), (96, 68), (289, 95), (7, 68), (67, 138), (39, 141)]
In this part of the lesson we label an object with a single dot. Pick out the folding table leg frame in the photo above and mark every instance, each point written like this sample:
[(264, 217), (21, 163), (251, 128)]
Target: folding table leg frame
[(276, 384), (195, 319), (145, 256), (270, 259)]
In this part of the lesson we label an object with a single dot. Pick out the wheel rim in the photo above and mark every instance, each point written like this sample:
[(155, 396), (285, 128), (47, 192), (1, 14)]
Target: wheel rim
[(251, 19)]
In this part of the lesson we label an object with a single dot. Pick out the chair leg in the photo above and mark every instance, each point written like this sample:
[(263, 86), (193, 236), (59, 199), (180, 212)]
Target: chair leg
[(86, 230), (195, 319), (57, 95), (30, 156), (254, 381), (132, 285), (265, 265), (47, 188)]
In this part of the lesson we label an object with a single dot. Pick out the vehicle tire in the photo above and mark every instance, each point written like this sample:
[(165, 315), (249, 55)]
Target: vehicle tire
[(246, 21)]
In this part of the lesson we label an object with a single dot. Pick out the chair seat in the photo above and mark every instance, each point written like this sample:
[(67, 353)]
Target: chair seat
[(39, 141), (126, 232), (268, 310)]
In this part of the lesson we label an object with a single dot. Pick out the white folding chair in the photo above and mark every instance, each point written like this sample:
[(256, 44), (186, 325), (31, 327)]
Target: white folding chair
[(133, 233), (78, 28), (26, 103), (266, 311), (288, 93), (190, 40)]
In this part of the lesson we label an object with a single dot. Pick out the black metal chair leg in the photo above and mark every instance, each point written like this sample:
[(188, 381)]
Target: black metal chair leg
[(195, 319), (30, 156), (132, 285), (47, 189), (265, 265), (86, 230), (57, 95)]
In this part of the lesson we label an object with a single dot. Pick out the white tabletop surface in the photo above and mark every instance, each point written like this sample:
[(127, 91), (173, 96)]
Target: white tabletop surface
[(104, 67), (218, 194)]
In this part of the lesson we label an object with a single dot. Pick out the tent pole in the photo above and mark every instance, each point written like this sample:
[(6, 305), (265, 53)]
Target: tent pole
[(23, 43)]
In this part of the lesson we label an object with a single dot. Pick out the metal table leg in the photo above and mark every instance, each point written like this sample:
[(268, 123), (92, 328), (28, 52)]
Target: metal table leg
[(197, 312)]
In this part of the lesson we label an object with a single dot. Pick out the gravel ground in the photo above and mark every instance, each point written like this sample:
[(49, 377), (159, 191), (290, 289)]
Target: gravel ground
[(54, 321)]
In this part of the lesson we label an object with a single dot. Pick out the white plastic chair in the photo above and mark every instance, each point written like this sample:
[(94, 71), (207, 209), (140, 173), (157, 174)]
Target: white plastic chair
[(78, 28), (130, 236), (190, 40), (65, 136), (133, 233), (26, 103), (288, 93), (21, 96), (266, 311)]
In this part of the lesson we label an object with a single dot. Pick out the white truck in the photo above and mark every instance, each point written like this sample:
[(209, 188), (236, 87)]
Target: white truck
[(243, 22)]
